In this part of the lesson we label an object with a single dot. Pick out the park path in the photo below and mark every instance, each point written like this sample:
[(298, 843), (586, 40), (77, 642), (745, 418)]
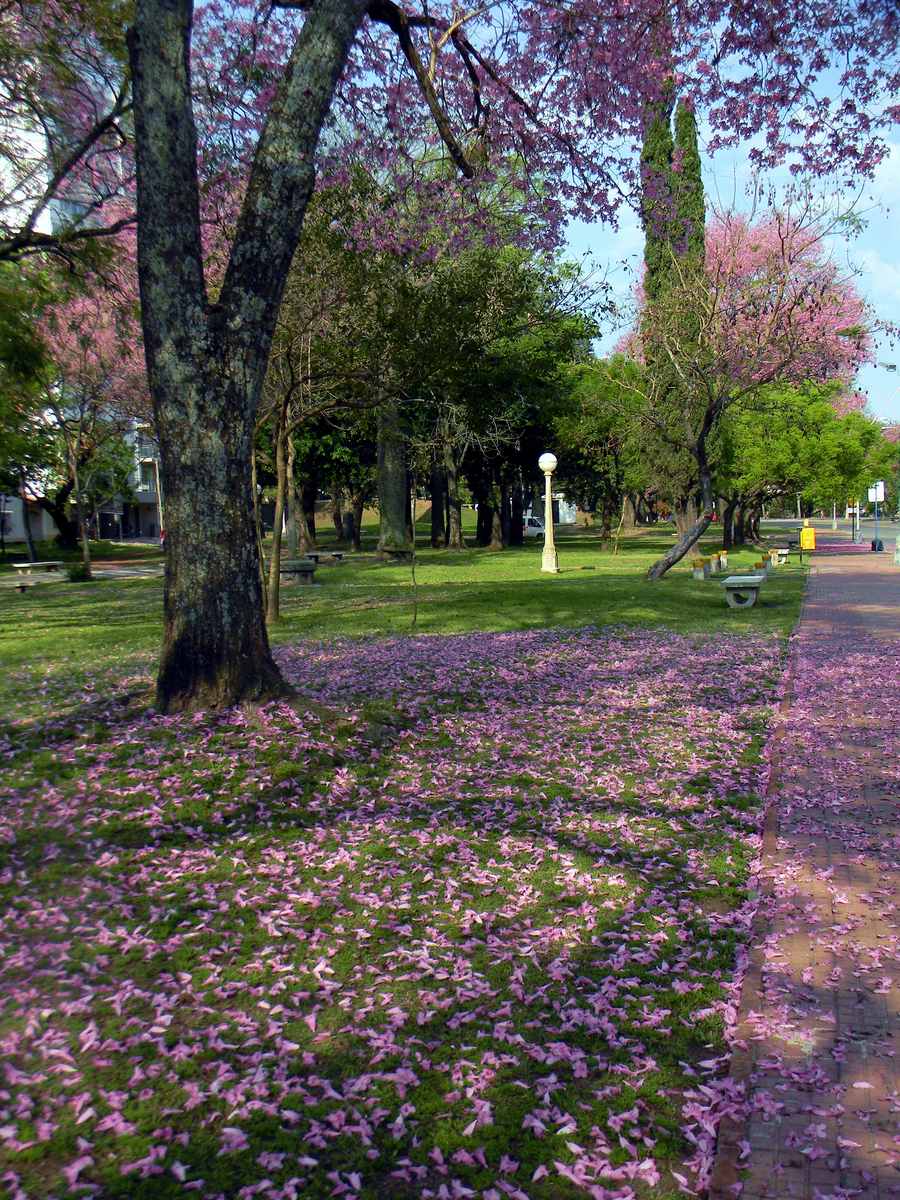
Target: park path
[(817, 1044)]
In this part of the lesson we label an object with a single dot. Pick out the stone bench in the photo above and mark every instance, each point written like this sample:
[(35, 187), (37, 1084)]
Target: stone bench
[(24, 570), (315, 555), (741, 591), (301, 569)]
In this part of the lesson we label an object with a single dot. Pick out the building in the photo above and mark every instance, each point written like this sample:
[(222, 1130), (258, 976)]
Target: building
[(12, 519)]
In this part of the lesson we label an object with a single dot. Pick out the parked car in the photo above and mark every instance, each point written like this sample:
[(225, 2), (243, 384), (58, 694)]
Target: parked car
[(533, 527)]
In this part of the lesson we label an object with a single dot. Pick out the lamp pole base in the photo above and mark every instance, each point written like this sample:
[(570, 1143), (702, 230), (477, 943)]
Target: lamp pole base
[(550, 561)]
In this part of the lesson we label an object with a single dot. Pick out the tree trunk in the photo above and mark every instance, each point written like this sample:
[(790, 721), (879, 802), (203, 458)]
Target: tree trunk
[(740, 526), (337, 517), (454, 504), (691, 536), (484, 519), (438, 490), (357, 502), (728, 523), (496, 542), (685, 514), (505, 514), (411, 513), (629, 515), (273, 592), (306, 515), (517, 518), (67, 529), (206, 362), (393, 498), (215, 646), (82, 526), (26, 520), (293, 499)]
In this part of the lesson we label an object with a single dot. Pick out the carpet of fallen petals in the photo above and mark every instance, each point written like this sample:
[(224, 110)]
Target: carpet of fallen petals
[(467, 920)]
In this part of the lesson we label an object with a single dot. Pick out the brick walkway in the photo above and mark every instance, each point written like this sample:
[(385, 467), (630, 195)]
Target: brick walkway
[(818, 1040)]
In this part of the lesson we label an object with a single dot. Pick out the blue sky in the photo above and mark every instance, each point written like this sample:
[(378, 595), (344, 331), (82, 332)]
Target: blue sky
[(874, 253)]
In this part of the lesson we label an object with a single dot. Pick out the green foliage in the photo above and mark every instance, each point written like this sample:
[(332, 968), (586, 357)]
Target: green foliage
[(791, 439), (656, 196), (687, 189), (599, 436)]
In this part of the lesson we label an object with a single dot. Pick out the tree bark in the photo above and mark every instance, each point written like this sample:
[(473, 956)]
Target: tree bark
[(337, 517), (685, 514), (496, 542), (454, 504), (438, 490), (393, 497), (728, 524), (357, 502), (629, 514), (206, 362), (692, 535)]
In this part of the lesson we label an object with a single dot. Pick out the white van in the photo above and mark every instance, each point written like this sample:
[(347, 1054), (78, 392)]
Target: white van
[(532, 527)]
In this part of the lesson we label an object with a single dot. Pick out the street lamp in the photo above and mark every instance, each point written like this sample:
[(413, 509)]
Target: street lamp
[(549, 560)]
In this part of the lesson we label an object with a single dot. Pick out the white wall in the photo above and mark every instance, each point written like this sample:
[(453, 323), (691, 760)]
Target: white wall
[(42, 526)]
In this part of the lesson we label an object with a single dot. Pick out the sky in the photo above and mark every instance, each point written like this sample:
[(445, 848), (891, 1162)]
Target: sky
[(874, 253)]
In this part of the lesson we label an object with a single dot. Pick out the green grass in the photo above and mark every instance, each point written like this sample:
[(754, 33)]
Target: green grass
[(101, 552), (59, 630)]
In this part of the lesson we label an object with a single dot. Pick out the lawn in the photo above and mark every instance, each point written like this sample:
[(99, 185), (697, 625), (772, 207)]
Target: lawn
[(463, 921)]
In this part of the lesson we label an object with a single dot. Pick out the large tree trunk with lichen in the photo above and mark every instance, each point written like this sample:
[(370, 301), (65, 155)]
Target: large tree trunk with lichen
[(393, 496), (206, 362)]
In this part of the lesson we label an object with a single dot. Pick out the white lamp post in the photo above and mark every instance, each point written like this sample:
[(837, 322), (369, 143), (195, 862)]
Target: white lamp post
[(549, 560)]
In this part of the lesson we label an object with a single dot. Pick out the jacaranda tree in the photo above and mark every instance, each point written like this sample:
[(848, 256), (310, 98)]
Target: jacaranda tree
[(556, 92)]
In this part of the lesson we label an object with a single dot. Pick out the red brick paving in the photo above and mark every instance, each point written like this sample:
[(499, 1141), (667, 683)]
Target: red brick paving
[(818, 1040)]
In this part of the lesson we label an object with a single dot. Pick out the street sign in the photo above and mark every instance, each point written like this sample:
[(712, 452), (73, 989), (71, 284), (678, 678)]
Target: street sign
[(876, 492)]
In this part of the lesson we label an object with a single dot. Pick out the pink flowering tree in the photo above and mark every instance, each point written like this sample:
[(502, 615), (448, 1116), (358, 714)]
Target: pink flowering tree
[(94, 389), (544, 100), (65, 153), (771, 305)]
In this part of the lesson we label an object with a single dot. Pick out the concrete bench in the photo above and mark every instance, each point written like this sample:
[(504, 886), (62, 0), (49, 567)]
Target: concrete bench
[(741, 590), (25, 568), (301, 569)]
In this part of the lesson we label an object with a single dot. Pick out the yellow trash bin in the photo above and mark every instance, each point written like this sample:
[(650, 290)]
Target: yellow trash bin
[(807, 537)]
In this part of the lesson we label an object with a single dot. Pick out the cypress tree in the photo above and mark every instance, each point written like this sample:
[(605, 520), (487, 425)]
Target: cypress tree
[(656, 194), (687, 188)]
